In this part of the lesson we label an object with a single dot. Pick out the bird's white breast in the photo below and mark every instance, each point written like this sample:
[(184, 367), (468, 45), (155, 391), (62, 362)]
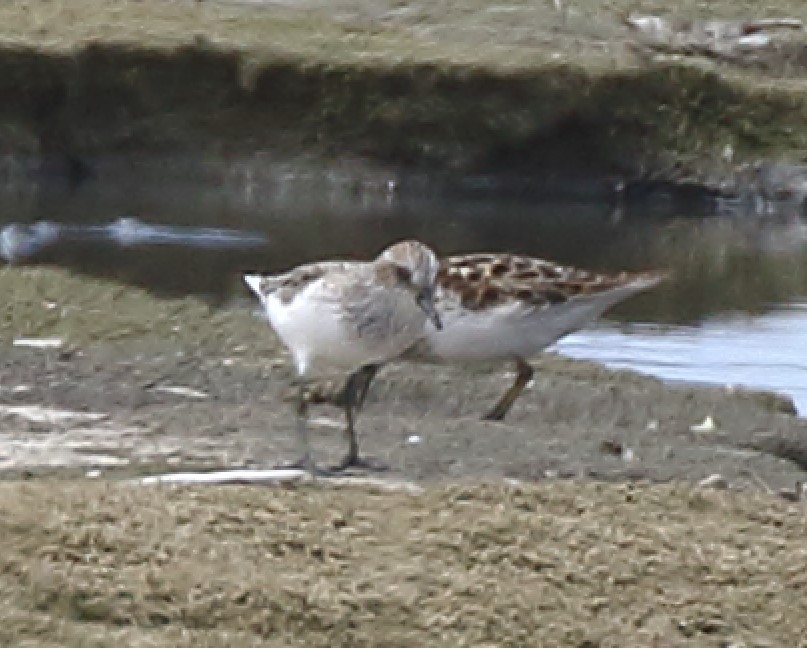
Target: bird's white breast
[(323, 331), (508, 330)]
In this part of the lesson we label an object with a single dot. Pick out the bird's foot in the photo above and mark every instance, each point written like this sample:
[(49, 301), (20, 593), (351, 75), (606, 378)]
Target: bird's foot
[(496, 414), (370, 464)]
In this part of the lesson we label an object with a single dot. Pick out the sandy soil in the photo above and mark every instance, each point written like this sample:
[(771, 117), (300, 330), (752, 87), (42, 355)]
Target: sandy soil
[(579, 561)]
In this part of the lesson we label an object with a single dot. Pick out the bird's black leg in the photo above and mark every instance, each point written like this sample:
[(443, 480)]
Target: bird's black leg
[(351, 398), (524, 373)]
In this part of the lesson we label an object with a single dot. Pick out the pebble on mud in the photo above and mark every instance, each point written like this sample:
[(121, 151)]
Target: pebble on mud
[(609, 446), (179, 390), (716, 481), (707, 425)]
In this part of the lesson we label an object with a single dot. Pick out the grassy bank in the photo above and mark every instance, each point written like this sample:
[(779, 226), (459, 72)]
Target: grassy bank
[(472, 87), (563, 564)]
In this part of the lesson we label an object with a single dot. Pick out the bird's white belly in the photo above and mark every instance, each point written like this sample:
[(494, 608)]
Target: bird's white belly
[(503, 333), (320, 337), (479, 338)]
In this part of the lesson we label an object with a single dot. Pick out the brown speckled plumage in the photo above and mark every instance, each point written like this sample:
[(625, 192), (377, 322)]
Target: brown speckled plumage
[(505, 307), (481, 281)]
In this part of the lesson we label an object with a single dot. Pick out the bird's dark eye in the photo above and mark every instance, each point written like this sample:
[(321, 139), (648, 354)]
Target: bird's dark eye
[(403, 274)]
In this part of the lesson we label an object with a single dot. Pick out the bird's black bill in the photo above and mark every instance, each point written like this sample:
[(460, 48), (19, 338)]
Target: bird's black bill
[(426, 303)]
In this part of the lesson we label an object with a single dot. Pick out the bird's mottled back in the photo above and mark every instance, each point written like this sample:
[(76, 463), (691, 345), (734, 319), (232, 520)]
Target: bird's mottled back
[(481, 281)]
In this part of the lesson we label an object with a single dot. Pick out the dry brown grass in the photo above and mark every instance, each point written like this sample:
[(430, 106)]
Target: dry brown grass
[(501, 34), (564, 563), (43, 302)]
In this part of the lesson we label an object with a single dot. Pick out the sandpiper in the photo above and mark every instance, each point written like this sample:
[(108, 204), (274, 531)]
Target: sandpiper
[(504, 307), (345, 315)]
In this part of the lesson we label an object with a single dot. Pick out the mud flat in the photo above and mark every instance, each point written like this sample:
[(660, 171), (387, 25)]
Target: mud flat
[(567, 98), (159, 381)]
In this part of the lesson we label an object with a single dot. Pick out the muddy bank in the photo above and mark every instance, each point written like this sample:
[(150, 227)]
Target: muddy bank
[(132, 410), (563, 98), (175, 383)]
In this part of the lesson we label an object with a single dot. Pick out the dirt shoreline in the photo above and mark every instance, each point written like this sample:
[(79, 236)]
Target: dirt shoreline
[(569, 100), (128, 356)]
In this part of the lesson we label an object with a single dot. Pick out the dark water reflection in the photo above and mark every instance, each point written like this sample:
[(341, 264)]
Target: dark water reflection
[(722, 265)]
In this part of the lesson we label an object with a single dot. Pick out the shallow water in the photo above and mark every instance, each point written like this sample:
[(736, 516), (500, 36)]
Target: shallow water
[(767, 350), (734, 312)]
